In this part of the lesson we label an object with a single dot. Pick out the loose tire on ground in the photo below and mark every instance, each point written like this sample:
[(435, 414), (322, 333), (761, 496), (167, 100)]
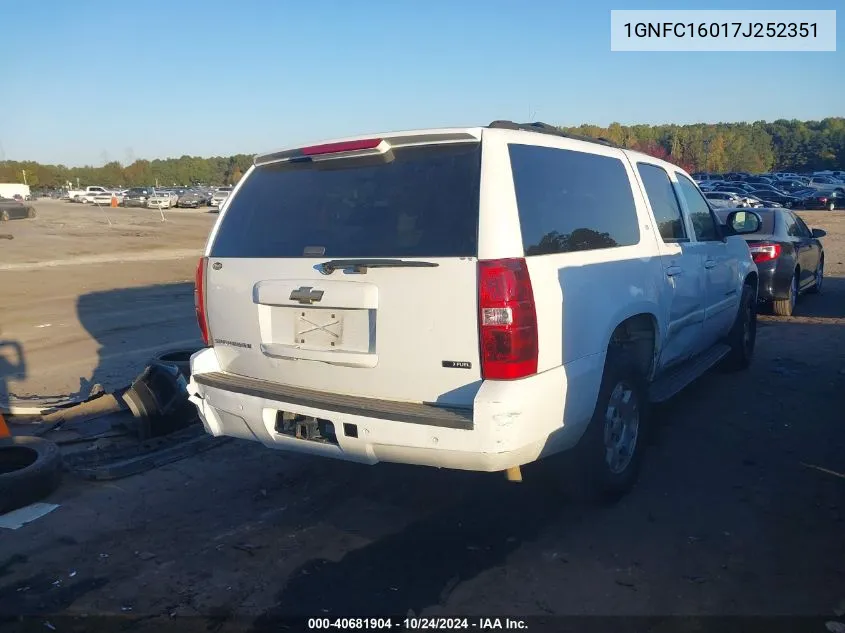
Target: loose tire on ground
[(591, 477), (743, 335), (30, 469)]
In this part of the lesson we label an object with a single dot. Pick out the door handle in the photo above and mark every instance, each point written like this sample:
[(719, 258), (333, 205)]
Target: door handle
[(672, 271), (710, 263)]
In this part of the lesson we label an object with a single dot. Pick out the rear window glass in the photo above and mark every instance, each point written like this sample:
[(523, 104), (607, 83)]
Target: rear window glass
[(572, 201), (424, 203)]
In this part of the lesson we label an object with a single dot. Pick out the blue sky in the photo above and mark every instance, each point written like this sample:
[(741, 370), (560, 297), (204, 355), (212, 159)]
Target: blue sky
[(97, 80)]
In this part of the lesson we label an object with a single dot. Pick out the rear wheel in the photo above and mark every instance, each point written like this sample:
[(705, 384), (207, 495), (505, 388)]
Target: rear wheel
[(607, 459), (786, 307), (817, 284), (831, 206), (743, 335), (4, 216)]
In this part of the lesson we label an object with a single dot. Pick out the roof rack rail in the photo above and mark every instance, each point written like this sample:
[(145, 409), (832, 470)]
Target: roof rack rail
[(545, 128)]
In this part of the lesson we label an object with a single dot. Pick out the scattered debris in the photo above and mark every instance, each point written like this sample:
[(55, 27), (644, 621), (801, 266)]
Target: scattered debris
[(695, 579), (246, 547), (49, 625), (824, 470), (18, 518), (71, 574)]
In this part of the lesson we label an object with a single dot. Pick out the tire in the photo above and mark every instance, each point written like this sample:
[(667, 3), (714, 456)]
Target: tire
[(592, 477), (30, 469), (180, 358), (786, 307), (743, 335), (30, 213), (4, 216), (817, 285), (831, 206)]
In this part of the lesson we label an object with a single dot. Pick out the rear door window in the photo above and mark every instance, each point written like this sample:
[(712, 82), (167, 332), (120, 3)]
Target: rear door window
[(572, 201), (664, 202), (423, 203)]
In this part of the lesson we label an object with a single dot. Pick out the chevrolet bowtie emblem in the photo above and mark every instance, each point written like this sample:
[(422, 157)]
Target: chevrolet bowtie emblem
[(306, 295)]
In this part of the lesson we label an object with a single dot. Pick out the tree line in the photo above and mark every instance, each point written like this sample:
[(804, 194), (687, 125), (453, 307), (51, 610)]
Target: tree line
[(796, 146), (799, 146)]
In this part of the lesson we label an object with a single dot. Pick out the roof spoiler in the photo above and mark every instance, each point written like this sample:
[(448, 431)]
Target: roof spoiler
[(545, 128)]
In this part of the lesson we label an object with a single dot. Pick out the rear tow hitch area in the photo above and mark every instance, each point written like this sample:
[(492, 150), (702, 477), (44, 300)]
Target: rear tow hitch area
[(305, 428)]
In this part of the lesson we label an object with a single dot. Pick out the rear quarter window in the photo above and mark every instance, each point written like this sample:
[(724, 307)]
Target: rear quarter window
[(572, 201), (423, 203)]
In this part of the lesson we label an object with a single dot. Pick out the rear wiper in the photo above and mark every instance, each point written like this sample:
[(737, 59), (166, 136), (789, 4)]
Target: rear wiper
[(361, 265)]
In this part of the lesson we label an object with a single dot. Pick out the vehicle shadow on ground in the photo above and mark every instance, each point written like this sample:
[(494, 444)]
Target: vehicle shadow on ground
[(131, 325), (829, 304), (486, 520), (12, 368)]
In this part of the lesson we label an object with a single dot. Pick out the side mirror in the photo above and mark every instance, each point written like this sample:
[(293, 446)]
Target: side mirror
[(743, 222), (819, 233)]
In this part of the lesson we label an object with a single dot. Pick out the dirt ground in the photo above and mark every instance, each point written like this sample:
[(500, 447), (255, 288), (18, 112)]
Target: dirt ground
[(90, 302), (740, 509)]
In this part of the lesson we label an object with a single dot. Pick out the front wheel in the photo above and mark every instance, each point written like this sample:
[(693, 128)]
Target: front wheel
[(743, 335), (608, 456)]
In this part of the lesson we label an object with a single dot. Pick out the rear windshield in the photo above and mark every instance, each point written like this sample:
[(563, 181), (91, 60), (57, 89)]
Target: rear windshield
[(424, 203)]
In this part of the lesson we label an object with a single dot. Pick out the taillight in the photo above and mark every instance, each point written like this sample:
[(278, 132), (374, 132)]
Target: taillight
[(764, 251), (507, 320), (199, 299), (822, 200)]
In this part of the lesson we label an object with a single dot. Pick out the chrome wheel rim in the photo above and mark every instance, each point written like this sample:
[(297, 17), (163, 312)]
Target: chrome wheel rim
[(819, 276), (621, 428)]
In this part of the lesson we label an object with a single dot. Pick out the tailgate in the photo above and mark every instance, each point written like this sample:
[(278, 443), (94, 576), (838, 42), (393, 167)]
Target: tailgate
[(353, 276)]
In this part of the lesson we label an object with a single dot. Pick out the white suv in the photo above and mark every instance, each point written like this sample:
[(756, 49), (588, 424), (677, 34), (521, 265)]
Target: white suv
[(472, 298)]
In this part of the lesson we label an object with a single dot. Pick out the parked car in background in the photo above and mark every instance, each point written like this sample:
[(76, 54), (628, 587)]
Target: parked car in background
[(830, 200), (824, 182), (755, 202), (736, 186), (724, 200), (772, 196), (789, 258), (191, 199), (105, 199), (159, 200), (73, 194), (11, 209), (765, 180), (137, 196), (790, 186), (219, 196)]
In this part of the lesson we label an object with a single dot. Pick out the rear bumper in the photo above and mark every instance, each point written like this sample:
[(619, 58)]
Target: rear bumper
[(511, 422), (775, 278)]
